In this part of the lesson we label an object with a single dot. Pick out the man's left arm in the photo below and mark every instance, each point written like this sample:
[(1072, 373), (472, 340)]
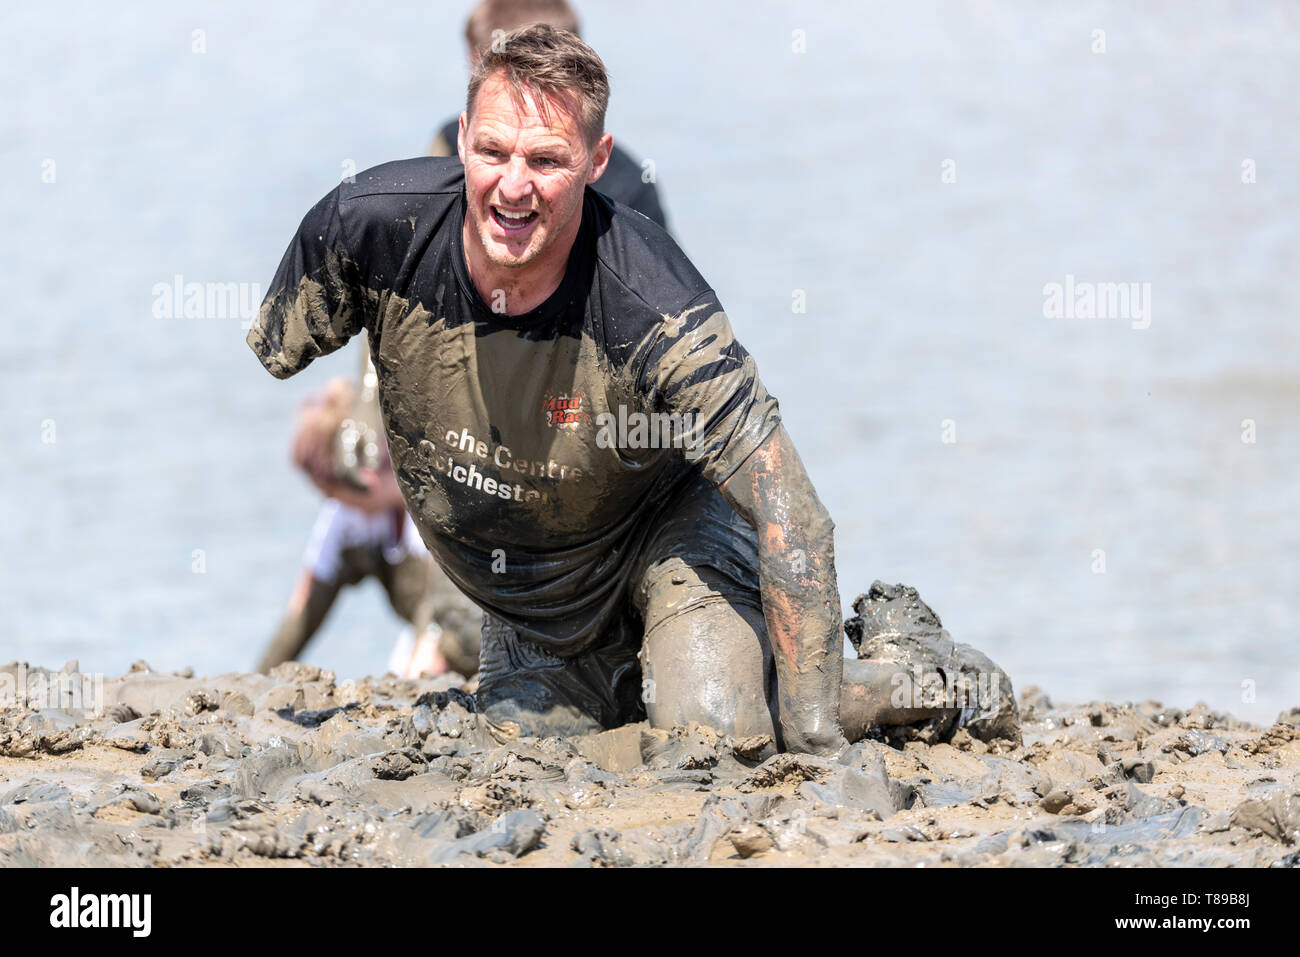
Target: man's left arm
[(801, 602), (695, 367)]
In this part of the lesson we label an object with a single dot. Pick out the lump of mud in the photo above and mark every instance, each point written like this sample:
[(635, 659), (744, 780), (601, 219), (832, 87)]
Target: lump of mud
[(129, 736), (398, 765), (610, 848), (1278, 817), (675, 843), (786, 767), (510, 836), (867, 789), (749, 839), (35, 792), (162, 765), (893, 624), (617, 750), (681, 749)]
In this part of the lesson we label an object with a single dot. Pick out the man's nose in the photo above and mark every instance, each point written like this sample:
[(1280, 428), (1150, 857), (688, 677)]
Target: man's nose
[(516, 181)]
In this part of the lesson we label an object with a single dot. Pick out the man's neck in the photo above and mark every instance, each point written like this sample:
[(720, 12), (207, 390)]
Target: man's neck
[(515, 290)]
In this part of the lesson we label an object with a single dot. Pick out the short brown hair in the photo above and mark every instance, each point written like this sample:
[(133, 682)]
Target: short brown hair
[(506, 15), (544, 61)]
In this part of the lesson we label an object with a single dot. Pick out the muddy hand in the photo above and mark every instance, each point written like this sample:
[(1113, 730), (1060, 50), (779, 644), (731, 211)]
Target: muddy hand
[(826, 740), (808, 700)]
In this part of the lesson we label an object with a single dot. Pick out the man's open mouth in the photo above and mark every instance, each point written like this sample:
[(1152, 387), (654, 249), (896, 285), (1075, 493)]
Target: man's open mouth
[(512, 221)]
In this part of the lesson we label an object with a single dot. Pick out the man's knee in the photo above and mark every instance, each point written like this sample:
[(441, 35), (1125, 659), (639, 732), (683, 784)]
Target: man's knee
[(710, 664), (525, 690)]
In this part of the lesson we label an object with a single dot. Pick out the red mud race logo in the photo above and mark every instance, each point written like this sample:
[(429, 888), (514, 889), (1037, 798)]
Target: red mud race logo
[(566, 410)]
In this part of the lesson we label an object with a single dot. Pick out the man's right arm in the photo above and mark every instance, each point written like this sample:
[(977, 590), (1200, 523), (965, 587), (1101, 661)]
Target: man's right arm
[(316, 302)]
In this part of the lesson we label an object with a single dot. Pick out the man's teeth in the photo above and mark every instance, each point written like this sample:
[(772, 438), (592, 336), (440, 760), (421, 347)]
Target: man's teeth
[(515, 216)]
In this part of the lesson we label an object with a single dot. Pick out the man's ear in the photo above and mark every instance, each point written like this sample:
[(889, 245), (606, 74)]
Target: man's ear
[(600, 157), (461, 129)]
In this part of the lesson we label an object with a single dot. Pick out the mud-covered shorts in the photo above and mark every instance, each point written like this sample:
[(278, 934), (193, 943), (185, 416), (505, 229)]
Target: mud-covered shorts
[(702, 553)]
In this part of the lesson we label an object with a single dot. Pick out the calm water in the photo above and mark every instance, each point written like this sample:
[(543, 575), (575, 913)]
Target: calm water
[(150, 509)]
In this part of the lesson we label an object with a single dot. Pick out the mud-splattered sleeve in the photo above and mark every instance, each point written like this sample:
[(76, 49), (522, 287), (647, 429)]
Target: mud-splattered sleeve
[(315, 302), (696, 369)]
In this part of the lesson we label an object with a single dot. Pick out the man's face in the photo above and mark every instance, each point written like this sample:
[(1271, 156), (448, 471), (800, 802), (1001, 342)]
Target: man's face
[(524, 177)]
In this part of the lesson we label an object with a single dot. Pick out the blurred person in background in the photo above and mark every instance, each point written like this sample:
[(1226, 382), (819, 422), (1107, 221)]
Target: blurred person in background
[(363, 531)]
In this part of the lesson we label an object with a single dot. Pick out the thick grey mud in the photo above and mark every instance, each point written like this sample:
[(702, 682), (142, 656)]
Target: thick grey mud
[(298, 769), (912, 682)]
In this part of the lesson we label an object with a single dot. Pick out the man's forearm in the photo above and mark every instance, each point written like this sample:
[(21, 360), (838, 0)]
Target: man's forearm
[(801, 602), (801, 607)]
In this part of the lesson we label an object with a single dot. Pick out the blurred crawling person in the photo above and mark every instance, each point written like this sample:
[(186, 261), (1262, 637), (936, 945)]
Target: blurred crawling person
[(624, 179), (363, 531)]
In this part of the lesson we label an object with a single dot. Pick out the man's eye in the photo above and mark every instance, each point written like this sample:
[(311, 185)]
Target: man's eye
[(545, 162), (489, 152)]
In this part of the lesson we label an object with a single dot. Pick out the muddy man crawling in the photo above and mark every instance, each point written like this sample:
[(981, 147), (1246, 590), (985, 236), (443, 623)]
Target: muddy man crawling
[(584, 445)]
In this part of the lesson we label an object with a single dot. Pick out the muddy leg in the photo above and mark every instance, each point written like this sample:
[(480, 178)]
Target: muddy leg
[(711, 664), (459, 620), (869, 698), (525, 690), (460, 651), (407, 585), (706, 658), (308, 607)]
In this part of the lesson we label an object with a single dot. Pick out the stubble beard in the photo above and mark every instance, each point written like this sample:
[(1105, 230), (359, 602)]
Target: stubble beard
[(508, 260), (498, 254)]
